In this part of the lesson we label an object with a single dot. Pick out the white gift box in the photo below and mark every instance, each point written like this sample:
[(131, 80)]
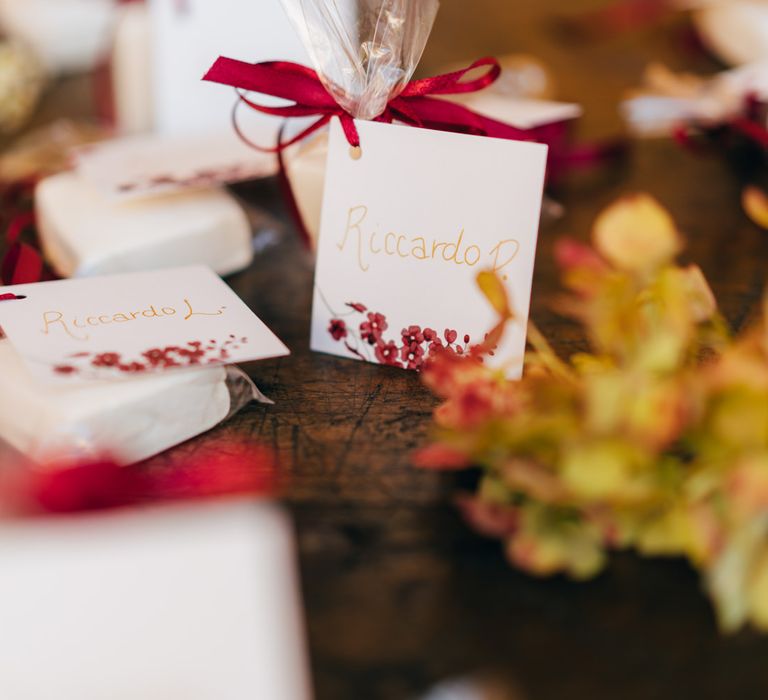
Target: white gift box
[(165, 93), (129, 420), (69, 35), (198, 602), (187, 37), (84, 233), (130, 67)]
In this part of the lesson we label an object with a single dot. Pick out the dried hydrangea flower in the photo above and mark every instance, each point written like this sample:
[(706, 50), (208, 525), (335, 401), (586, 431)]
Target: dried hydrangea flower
[(655, 439)]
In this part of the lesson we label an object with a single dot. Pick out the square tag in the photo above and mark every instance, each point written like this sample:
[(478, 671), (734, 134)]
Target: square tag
[(136, 167), (120, 326), (405, 230)]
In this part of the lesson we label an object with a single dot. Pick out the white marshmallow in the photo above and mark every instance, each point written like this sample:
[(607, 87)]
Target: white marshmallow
[(85, 234), (130, 420)]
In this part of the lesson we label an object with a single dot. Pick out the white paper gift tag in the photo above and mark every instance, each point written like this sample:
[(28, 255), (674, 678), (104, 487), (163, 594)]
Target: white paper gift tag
[(123, 325), (405, 230), (142, 166)]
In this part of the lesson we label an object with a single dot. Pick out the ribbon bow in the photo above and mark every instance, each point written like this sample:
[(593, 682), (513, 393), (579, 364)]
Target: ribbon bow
[(417, 105)]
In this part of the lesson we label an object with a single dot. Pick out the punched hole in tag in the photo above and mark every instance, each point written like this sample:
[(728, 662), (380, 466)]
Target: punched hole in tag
[(355, 152)]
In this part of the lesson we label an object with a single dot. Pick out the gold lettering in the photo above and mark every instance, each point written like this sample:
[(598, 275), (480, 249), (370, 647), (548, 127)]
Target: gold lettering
[(50, 318), (455, 247), (503, 248), (362, 212), (436, 246), (422, 247), (191, 312), (370, 243), (350, 225), (151, 312), (466, 255), (399, 252), (169, 311), (120, 318)]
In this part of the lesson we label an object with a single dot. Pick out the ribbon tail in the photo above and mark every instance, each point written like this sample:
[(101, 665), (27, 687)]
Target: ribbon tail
[(453, 83), (435, 113), (751, 130), (282, 79), (350, 130), (586, 157), (281, 145), (290, 197), (17, 225), (22, 265)]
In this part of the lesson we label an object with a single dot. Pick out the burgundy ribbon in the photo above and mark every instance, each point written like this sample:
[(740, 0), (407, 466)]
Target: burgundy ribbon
[(749, 124), (215, 469), (22, 263), (417, 105)]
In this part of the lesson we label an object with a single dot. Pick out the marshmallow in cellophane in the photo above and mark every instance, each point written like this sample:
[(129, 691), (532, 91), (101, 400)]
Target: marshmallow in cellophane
[(129, 420), (365, 54), (84, 233), (195, 602), (124, 367)]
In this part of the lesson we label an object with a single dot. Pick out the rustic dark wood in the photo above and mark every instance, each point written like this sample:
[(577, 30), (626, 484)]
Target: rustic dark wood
[(399, 594)]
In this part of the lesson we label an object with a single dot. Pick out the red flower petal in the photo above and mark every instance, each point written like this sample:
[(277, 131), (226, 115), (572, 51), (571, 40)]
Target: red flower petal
[(440, 457)]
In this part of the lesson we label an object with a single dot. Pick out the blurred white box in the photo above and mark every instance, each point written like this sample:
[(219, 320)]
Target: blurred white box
[(192, 602), (69, 35), (189, 35)]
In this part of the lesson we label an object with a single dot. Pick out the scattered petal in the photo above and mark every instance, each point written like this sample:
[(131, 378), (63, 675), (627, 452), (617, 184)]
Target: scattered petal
[(636, 234), (494, 290), (755, 203)]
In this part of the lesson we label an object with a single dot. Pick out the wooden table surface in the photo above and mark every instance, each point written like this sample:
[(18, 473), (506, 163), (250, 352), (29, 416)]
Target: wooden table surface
[(399, 594)]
